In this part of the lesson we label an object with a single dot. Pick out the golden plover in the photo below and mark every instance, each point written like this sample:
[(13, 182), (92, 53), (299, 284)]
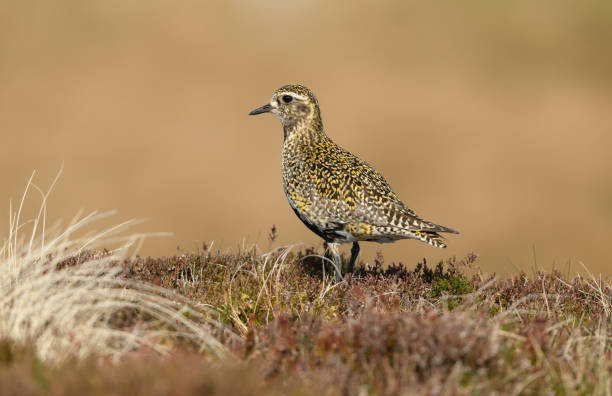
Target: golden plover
[(338, 196)]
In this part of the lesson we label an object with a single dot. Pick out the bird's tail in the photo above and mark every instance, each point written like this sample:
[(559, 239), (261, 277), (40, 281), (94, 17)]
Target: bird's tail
[(431, 238)]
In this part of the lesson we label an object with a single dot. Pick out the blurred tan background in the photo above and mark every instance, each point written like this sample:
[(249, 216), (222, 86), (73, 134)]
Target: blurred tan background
[(494, 119)]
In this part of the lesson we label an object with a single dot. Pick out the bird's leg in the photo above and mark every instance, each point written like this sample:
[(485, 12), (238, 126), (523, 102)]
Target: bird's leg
[(329, 258), (354, 254), (333, 248)]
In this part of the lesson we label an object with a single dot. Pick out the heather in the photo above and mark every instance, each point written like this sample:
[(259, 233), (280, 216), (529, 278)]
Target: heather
[(391, 329)]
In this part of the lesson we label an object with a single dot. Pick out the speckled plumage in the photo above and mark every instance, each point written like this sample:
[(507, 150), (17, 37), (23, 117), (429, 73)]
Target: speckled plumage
[(337, 195)]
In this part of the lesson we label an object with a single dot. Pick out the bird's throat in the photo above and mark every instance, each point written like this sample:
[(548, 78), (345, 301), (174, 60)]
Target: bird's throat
[(309, 128)]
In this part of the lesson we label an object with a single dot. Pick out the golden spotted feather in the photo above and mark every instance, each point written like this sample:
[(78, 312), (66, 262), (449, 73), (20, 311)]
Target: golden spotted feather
[(343, 199)]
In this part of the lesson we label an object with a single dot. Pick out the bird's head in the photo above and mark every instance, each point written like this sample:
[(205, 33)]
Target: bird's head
[(292, 104)]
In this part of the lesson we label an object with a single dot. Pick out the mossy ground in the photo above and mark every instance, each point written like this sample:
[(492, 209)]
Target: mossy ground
[(390, 329)]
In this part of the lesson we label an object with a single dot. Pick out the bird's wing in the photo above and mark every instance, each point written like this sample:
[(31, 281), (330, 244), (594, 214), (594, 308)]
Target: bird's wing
[(363, 195)]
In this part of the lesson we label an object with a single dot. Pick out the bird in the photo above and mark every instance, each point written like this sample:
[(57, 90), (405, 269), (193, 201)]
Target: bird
[(338, 196)]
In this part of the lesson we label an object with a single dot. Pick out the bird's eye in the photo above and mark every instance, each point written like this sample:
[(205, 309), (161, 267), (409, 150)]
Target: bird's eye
[(287, 98)]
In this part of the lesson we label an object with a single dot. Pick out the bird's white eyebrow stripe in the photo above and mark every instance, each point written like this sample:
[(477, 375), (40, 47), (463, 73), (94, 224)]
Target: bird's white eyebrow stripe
[(295, 95)]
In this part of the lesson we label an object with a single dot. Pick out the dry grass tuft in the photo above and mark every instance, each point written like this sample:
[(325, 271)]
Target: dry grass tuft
[(65, 299)]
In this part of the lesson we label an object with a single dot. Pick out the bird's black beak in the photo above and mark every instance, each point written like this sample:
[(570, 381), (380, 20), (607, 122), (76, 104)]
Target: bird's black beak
[(263, 109)]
